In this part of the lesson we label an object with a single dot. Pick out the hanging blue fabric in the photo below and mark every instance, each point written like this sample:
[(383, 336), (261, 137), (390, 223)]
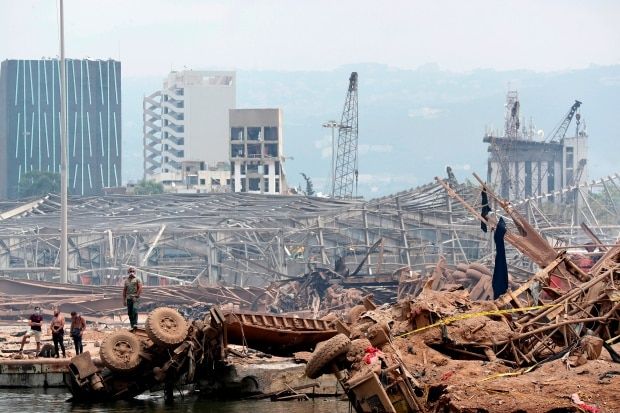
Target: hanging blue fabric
[(500, 272)]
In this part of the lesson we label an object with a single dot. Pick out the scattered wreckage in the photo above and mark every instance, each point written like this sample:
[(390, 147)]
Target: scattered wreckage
[(562, 312), (566, 312)]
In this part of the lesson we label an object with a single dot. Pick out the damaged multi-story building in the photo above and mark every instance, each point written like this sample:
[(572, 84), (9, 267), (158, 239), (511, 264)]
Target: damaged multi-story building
[(185, 125), (256, 156), (523, 163)]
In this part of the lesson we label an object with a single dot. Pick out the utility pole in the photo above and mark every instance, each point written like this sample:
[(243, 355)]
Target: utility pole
[(63, 153), (333, 125)]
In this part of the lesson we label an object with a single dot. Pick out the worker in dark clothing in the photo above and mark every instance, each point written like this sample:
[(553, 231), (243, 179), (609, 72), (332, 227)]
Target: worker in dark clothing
[(131, 295), (35, 322), (78, 325), (58, 332)]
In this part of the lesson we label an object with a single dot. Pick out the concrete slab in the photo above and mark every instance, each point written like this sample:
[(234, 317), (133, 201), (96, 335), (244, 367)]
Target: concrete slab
[(33, 373)]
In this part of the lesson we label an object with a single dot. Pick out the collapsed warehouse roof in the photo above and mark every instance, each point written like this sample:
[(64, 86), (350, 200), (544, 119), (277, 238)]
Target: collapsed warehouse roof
[(245, 239)]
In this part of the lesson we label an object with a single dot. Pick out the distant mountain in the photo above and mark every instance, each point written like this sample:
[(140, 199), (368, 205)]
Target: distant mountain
[(412, 122)]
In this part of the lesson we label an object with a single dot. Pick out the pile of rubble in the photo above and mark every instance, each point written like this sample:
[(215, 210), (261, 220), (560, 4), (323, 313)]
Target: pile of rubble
[(537, 347), (441, 351)]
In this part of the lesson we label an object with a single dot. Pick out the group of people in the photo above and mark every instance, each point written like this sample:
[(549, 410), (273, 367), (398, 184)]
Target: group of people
[(57, 326), (131, 295)]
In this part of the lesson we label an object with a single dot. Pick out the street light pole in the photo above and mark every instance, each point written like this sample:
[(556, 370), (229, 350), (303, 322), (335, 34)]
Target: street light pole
[(332, 124), (63, 153)]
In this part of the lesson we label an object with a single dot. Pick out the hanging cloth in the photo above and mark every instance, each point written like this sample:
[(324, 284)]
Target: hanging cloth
[(500, 272), (485, 210)]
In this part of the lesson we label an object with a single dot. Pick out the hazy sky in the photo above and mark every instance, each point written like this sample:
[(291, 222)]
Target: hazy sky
[(151, 37)]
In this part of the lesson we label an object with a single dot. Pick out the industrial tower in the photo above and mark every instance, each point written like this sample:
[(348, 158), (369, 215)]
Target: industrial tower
[(346, 160)]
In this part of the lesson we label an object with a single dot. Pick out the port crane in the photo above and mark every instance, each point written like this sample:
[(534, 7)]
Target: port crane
[(560, 131), (346, 171)]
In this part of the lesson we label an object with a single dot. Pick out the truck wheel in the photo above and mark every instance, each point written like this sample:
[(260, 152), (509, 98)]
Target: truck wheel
[(166, 327), (120, 351), (357, 349), (326, 353)]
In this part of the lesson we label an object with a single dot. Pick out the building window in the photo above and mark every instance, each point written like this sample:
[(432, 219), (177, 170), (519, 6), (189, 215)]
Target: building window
[(551, 178), (254, 150), (254, 184), (271, 133), (271, 150), (253, 168), (236, 134), (570, 157), (202, 181), (277, 186), (528, 178), (277, 168), (236, 151), (266, 185), (253, 133)]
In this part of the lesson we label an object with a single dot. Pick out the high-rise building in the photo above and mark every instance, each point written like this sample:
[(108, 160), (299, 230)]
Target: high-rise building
[(187, 122), (256, 155), (30, 123)]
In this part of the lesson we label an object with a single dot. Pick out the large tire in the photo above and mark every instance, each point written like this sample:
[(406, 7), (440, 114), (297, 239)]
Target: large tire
[(325, 353), (120, 351), (357, 349), (166, 327)]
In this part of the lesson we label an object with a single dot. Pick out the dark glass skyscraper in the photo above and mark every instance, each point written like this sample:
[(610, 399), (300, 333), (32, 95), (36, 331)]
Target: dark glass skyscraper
[(30, 123)]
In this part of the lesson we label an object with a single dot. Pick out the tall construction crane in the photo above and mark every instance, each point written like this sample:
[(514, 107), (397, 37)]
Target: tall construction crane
[(346, 173), (560, 131)]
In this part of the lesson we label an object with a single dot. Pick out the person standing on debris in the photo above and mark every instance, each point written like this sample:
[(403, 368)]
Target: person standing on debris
[(131, 295), (35, 322), (58, 332), (78, 325)]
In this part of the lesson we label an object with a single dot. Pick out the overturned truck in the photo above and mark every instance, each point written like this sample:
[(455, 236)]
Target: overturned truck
[(172, 351)]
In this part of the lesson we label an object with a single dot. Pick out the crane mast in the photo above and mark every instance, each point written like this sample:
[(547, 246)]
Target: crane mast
[(346, 172)]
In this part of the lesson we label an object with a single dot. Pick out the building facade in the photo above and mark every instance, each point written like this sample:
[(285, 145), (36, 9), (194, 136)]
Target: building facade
[(256, 156), (187, 122), (30, 123), (197, 177)]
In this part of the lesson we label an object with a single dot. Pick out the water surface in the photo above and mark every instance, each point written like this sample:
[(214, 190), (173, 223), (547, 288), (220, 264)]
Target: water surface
[(55, 401)]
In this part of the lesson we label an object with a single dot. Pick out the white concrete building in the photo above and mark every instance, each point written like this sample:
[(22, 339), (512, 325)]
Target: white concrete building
[(256, 151), (194, 122)]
